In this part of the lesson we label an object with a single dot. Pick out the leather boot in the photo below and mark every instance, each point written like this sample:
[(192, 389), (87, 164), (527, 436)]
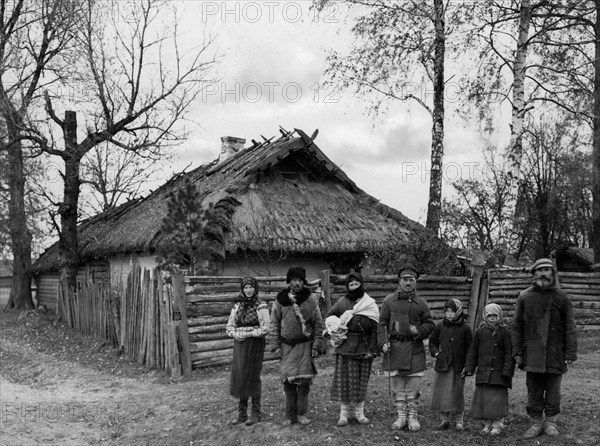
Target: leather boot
[(242, 411), (255, 413)]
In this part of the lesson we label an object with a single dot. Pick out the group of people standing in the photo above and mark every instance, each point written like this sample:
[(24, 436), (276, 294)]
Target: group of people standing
[(542, 341)]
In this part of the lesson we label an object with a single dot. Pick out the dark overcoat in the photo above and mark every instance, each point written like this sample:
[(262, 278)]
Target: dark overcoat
[(544, 330), (491, 353)]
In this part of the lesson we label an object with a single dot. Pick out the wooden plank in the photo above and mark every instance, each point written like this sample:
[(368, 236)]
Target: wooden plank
[(207, 320), (180, 302), (205, 346)]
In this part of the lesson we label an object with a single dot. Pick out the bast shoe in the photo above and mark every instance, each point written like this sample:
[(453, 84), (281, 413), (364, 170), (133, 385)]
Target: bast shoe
[(534, 431), (550, 429), (497, 427), (303, 420)]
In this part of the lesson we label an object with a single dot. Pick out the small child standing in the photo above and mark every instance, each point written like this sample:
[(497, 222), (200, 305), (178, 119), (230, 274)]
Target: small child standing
[(491, 354), (449, 344)]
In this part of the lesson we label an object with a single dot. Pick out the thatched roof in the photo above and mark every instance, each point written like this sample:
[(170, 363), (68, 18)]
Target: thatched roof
[(289, 196)]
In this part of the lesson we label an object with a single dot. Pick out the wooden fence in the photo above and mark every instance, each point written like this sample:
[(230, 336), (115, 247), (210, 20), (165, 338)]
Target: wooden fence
[(209, 300), (178, 323), (502, 286), (139, 320)]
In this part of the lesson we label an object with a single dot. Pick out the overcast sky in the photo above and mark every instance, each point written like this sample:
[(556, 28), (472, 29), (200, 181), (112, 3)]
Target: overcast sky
[(271, 74)]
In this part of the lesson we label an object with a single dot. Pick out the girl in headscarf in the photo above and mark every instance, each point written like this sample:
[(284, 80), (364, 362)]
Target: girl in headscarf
[(491, 354), (248, 325), (355, 316), (449, 344)]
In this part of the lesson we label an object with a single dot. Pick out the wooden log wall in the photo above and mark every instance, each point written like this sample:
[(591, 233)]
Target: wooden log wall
[(582, 288), (436, 290), (210, 300)]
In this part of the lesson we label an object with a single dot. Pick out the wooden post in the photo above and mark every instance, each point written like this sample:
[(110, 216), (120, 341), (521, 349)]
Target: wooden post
[(475, 297), (326, 290), (483, 299), (183, 334)]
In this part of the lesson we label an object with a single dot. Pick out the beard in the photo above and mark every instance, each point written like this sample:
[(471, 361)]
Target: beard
[(544, 282)]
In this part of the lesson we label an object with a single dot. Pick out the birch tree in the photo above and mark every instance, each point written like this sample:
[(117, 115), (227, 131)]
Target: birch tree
[(399, 45)]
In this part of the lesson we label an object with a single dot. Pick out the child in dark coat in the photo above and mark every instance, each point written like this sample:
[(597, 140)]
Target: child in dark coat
[(449, 344), (491, 354)]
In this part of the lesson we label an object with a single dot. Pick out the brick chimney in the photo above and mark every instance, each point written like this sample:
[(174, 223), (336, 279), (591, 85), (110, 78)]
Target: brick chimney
[(230, 145)]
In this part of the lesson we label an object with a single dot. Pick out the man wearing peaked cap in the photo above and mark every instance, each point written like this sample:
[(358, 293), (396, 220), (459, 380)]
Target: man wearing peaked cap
[(408, 270), (544, 343), (405, 322)]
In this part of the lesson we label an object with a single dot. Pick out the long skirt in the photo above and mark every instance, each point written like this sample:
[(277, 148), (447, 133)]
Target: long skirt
[(247, 364), (489, 402), (350, 379), (448, 392)]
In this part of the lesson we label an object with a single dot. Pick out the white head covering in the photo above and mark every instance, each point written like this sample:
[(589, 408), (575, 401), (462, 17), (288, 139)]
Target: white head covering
[(492, 309)]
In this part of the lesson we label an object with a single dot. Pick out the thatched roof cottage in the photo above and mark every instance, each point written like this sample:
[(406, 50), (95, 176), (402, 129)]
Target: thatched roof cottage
[(290, 204)]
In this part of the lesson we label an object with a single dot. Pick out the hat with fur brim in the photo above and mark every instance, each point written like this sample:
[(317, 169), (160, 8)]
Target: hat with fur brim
[(296, 272), (542, 263)]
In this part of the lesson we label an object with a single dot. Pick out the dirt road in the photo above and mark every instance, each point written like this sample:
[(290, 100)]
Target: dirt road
[(60, 388)]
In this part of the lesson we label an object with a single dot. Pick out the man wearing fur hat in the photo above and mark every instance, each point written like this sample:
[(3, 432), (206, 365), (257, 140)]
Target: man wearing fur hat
[(544, 343), (297, 330), (405, 321)]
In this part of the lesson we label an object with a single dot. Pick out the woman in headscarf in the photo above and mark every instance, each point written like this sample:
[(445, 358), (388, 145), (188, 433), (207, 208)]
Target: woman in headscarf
[(352, 321), (449, 344), (248, 325), (491, 354)]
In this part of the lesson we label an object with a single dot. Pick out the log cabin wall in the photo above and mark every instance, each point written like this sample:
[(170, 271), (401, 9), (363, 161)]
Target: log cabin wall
[(582, 288), (211, 298), (209, 301)]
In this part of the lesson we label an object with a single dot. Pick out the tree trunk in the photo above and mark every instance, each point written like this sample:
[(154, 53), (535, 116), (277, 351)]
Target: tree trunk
[(19, 233), (68, 245), (515, 148), (596, 145), (434, 207)]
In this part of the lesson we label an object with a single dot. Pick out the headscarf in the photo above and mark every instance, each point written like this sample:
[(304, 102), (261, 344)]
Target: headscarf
[(356, 293), (492, 309), (456, 306), (246, 315)]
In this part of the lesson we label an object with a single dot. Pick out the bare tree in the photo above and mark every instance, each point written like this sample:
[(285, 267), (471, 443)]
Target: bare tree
[(141, 83), (400, 45), (481, 215), (33, 37), (111, 176)]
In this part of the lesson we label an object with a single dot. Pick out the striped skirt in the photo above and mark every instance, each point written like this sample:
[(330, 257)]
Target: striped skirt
[(350, 379), (247, 364)]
